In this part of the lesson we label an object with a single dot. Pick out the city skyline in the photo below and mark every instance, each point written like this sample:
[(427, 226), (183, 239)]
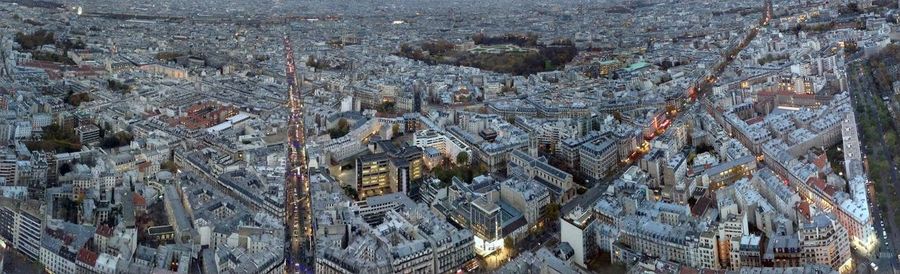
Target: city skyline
[(571, 136)]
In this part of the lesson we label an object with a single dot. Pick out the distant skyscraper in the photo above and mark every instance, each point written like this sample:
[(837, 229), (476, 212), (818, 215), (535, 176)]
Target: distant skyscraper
[(417, 89), (347, 103), (8, 62), (417, 100)]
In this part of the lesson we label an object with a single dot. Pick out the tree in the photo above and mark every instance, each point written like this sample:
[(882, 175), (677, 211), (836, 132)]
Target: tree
[(51, 57), (311, 62), (56, 138), (548, 65), (850, 8), (617, 115), (35, 40), (167, 55), (462, 158), (395, 130), (116, 85), (510, 245), (386, 106), (350, 191), (478, 38), (890, 139), (79, 44), (445, 172), (438, 47), (169, 165), (119, 139), (551, 212), (342, 128), (850, 48), (77, 99)]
